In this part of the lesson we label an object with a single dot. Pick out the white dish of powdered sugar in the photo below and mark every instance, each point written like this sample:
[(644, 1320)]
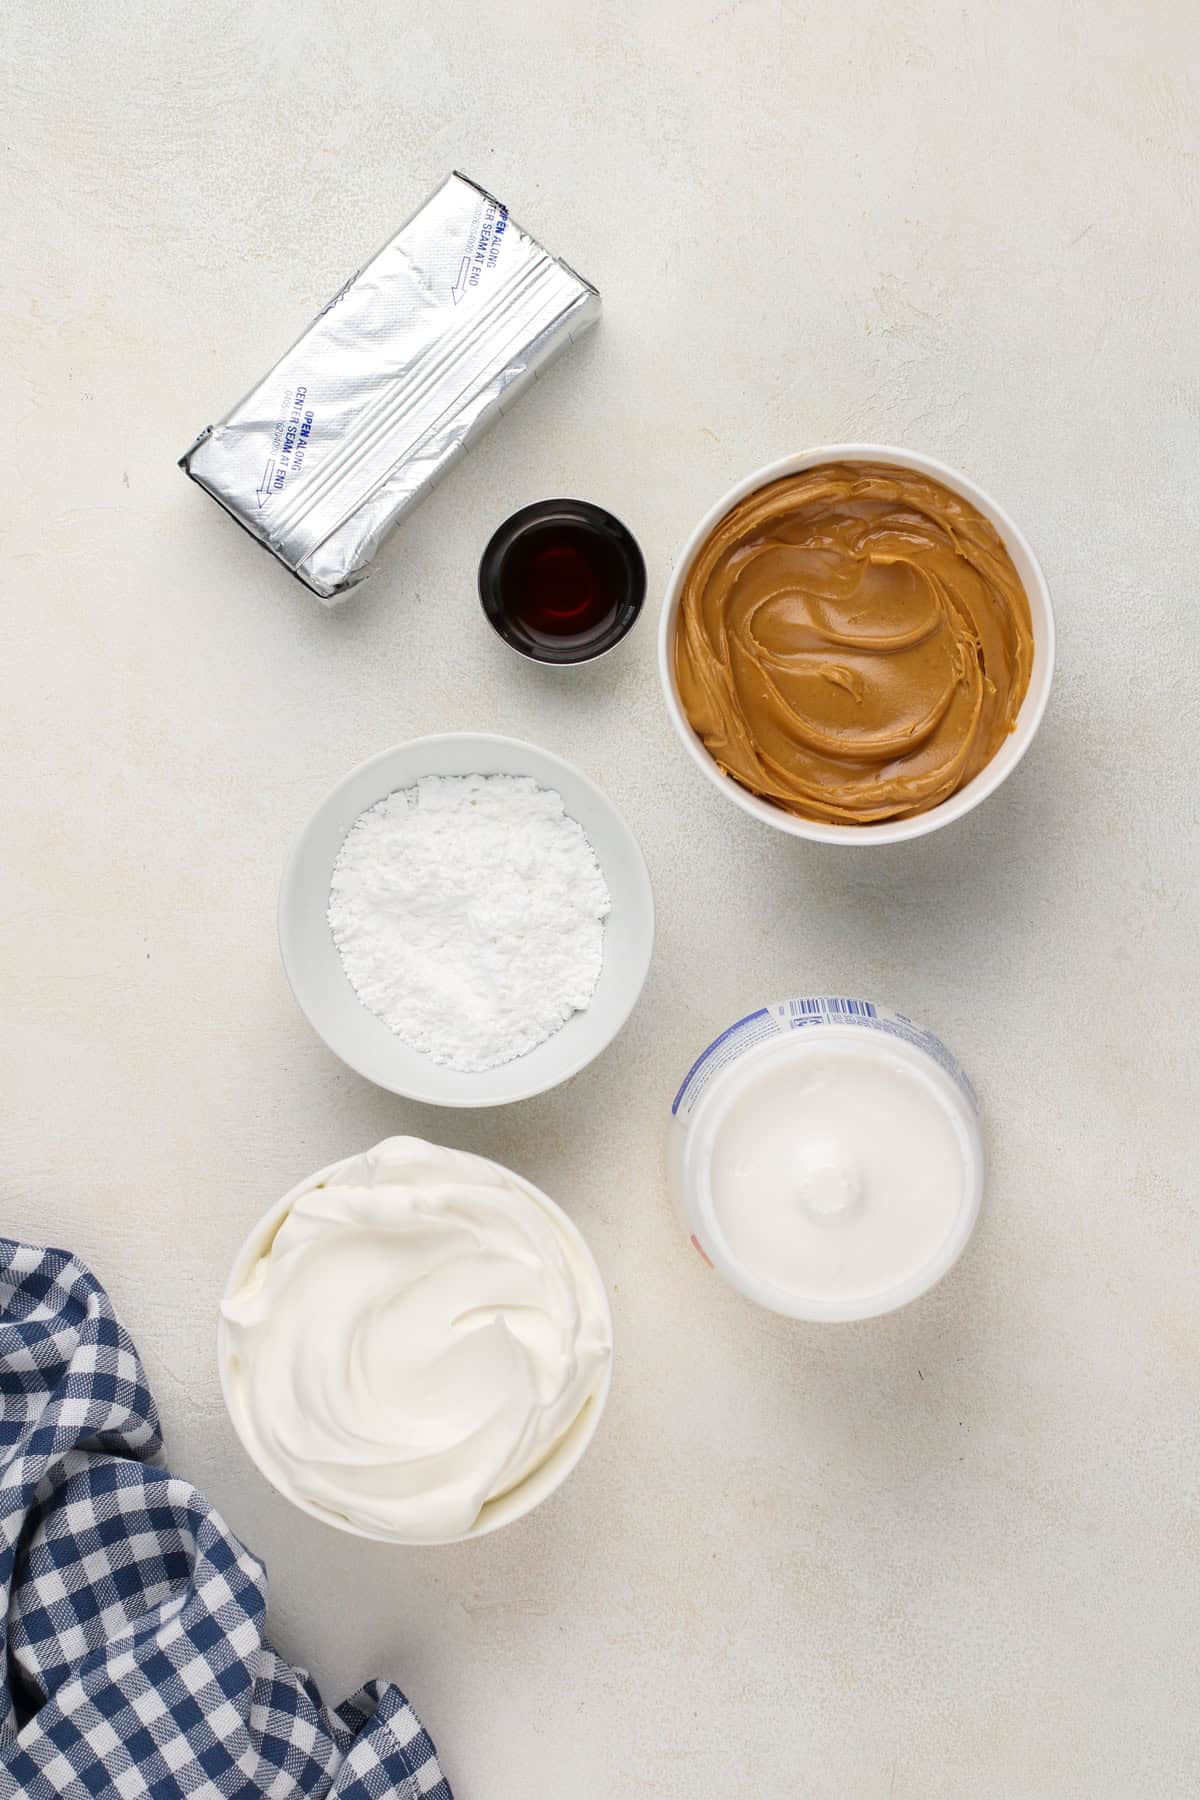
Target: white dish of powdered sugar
[(466, 920)]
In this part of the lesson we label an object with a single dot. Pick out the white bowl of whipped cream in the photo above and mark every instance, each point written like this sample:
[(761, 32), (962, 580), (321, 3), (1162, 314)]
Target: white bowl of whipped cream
[(415, 1345)]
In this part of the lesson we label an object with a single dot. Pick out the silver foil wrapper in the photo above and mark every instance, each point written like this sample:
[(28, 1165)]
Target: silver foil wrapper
[(405, 367)]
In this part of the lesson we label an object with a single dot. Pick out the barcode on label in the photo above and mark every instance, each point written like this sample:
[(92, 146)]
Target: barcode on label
[(849, 1009)]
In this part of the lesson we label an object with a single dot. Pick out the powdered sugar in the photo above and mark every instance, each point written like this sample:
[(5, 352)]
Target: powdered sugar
[(469, 915)]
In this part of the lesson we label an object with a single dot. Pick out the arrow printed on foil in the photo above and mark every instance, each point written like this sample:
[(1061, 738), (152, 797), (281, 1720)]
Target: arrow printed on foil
[(460, 286), (264, 487)]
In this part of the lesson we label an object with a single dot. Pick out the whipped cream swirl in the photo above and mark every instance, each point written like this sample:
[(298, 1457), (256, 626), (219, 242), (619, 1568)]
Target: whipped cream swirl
[(414, 1340)]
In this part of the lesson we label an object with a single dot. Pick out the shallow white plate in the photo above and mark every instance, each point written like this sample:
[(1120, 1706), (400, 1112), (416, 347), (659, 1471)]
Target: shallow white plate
[(330, 1004)]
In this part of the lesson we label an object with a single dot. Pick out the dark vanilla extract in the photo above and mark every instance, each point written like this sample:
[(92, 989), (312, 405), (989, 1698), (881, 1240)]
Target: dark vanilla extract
[(562, 581)]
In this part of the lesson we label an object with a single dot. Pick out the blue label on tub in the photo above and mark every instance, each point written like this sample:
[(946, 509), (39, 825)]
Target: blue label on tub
[(812, 1013)]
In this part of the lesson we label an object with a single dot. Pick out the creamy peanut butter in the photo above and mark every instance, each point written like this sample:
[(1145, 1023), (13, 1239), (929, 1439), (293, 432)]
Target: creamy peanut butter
[(853, 643)]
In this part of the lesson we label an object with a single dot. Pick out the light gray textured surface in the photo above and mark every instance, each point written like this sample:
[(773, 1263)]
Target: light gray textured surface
[(947, 1554)]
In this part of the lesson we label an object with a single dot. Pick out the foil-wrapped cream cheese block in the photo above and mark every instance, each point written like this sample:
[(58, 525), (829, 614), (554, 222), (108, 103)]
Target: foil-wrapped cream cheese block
[(405, 367)]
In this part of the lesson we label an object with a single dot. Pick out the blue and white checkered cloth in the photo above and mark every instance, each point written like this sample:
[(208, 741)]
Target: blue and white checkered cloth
[(134, 1658)]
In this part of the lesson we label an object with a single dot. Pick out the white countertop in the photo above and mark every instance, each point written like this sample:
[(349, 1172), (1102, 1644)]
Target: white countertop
[(951, 1553)]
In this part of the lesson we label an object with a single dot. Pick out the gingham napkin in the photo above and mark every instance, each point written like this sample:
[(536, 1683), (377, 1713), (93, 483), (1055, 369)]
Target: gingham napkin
[(134, 1658)]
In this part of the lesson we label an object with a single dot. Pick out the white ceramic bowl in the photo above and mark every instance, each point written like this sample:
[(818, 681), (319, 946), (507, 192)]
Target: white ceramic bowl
[(891, 831), (333, 1009), (507, 1508)]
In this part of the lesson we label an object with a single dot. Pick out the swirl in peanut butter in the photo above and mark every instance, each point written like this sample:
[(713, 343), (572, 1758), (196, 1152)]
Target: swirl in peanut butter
[(853, 643)]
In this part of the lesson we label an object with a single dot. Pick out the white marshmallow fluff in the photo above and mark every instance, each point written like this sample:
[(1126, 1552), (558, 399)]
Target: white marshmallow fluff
[(826, 1158)]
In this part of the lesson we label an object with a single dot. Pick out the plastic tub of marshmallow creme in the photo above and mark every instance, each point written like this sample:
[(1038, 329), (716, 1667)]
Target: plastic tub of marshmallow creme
[(825, 1158)]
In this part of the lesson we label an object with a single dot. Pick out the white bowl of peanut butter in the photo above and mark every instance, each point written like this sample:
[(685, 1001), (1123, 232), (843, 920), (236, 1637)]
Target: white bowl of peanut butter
[(857, 644)]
